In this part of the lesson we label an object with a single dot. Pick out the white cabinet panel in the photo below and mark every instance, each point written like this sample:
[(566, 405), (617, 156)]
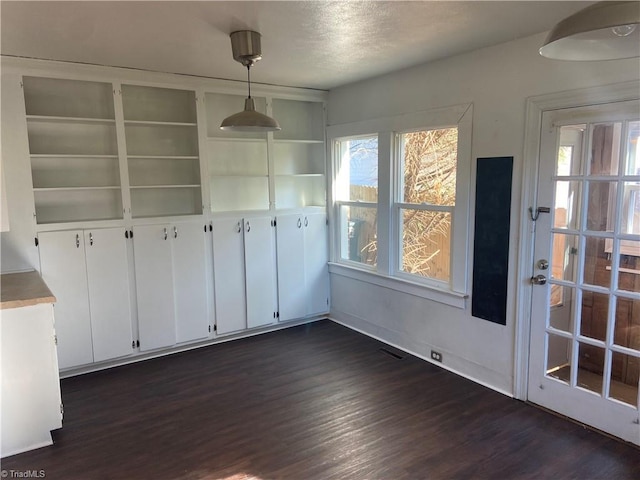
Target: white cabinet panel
[(62, 265), (154, 286), (108, 279), (228, 272), (190, 281), (316, 270), (290, 250), (260, 271)]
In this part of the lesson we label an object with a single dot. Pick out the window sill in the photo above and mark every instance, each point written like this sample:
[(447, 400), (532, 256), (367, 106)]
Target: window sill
[(447, 297)]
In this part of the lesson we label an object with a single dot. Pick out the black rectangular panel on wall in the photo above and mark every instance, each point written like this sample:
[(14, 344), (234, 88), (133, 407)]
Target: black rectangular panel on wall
[(491, 239)]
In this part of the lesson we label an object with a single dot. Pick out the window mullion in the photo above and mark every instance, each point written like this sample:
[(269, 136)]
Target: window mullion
[(386, 246)]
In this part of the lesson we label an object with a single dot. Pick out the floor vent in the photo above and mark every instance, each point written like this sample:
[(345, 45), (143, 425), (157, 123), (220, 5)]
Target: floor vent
[(392, 354)]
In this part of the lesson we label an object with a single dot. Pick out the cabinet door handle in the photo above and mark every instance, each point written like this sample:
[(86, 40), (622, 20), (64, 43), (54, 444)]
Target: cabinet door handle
[(90, 238), (239, 227), (165, 233), (299, 223), (248, 227), (175, 232), (306, 222), (77, 240)]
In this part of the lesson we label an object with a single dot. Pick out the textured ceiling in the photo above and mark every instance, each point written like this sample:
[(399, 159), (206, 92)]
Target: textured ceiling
[(314, 44)]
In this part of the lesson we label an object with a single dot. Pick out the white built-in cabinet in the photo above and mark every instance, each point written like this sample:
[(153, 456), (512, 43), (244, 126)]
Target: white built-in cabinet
[(244, 273), (88, 271), (156, 228), (303, 277), (262, 171), (73, 149), (170, 284)]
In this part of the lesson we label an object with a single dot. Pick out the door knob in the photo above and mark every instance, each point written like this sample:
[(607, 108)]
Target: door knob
[(538, 280)]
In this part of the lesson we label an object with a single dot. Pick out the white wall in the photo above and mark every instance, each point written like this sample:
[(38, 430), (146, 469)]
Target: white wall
[(497, 80)]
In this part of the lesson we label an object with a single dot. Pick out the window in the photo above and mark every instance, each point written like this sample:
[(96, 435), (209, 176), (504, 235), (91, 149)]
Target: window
[(357, 198), (427, 162), (400, 190)]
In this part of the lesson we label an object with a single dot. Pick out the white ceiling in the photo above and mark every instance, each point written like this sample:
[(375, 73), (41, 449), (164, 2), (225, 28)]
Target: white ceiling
[(314, 44)]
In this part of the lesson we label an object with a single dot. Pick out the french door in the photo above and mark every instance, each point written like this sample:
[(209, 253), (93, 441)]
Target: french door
[(585, 314)]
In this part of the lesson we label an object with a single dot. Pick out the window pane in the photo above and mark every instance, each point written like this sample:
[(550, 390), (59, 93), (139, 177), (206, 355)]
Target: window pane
[(426, 243), (633, 152), (429, 166), (570, 150), (357, 168), (624, 378), (601, 206), (567, 205), (358, 234), (605, 148), (627, 323), (631, 208)]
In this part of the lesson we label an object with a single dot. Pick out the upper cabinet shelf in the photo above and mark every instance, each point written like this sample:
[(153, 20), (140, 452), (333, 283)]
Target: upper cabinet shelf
[(300, 120), (152, 105), (53, 97)]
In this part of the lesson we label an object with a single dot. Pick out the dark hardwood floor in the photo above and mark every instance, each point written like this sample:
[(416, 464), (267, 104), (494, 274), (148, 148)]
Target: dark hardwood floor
[(317, 401)]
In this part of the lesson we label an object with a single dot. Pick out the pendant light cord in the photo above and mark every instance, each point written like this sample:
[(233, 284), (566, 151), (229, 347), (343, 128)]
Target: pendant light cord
[(249, 78)]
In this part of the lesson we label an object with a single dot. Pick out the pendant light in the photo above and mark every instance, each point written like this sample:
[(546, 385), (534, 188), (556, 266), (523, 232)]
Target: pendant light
[(603, 31), (245, 45)]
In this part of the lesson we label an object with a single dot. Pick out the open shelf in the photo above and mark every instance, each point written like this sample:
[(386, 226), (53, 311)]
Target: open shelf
[(300, 120), (234, 193), (77, 204), (153, 105), (160, 201), (298, 191), (54, 97)]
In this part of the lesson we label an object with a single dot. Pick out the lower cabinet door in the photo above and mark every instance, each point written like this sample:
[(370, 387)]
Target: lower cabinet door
[(316, 256), (108, 278), (228, 273), (260, 271), (292, 294), (154, 286), (62, 266), (190, 281)]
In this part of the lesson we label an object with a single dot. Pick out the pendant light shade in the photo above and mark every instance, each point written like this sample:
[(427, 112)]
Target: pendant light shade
[(249, 120), (604, 31), (246, 49)]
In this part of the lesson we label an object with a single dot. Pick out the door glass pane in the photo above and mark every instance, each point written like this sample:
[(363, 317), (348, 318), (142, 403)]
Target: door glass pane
[(426, 243), (590, 367), (563, 258), (561, 313), (597, 265), (558, 357), (633, 152), (357, 169), (358, 234), (594, 315), (601, 203), (624, 378), (605, 148), (569, 159), (627, 323), (631, 208), (629, 266), (566, 205)]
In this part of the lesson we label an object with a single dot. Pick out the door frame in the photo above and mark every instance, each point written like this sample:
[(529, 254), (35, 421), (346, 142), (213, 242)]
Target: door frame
[(535, 106)]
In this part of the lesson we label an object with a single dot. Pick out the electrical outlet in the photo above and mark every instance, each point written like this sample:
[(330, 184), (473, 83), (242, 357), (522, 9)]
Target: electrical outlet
[(437, 356)]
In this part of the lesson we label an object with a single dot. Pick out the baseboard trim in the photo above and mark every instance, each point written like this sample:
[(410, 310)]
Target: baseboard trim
[(415, 354), (135, 358)]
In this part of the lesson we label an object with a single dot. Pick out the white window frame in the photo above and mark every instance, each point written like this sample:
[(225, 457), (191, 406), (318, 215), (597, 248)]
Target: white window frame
[(338, 184), (387, 273)]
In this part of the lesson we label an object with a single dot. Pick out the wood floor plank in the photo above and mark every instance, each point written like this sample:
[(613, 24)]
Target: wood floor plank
[(317, 401)]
